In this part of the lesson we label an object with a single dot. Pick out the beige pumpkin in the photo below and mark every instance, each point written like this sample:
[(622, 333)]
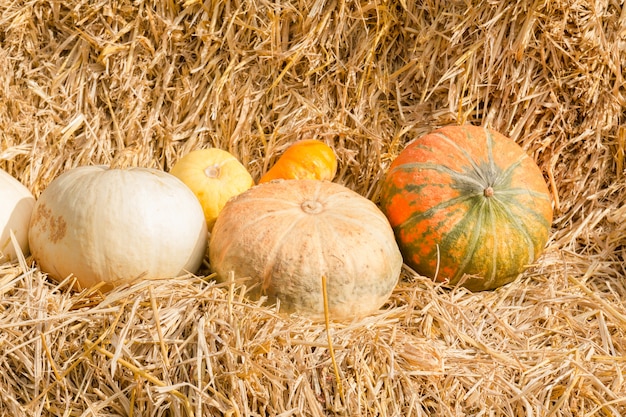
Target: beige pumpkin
[(114, 226), (282, 237), (15, 211)]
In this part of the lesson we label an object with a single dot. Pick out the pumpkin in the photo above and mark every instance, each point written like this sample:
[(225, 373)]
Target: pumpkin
[(114, 226), (214, 175), (15, 211), (282, 237), (304, 159), (468, 206)]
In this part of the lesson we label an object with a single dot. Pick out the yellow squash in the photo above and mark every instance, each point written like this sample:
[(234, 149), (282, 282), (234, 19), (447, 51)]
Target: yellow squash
[(214, 176)]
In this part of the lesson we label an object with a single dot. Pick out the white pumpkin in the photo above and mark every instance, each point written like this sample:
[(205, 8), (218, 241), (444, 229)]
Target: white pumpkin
[(15, 211), (282, 237), (114, 226)]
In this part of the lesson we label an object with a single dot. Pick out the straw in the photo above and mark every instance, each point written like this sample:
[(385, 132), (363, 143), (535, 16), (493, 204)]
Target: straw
[(142, 83)]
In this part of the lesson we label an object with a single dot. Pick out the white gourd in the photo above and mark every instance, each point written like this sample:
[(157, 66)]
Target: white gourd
[(15, 211), (115, 226)]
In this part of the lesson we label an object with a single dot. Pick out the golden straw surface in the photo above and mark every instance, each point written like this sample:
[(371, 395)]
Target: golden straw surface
[(141, 83)]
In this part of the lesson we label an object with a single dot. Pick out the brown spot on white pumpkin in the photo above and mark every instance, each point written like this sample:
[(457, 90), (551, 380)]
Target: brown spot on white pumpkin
[(56, 227), (41, 216)]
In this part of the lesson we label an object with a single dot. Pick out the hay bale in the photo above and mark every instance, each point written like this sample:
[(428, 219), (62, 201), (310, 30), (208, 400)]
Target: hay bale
[(141, 83)]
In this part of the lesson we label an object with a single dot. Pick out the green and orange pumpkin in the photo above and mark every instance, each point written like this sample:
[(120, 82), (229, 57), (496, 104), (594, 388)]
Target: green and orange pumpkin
[(467, 206)]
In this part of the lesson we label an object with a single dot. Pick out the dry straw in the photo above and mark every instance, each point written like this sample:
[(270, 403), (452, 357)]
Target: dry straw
[(143, 82)]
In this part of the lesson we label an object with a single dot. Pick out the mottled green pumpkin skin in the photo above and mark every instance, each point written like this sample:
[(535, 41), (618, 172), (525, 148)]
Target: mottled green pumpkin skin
[(468, 206)]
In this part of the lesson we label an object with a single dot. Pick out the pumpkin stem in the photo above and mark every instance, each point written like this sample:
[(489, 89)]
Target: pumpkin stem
[(488, 192), (311, 206), (212, 171)]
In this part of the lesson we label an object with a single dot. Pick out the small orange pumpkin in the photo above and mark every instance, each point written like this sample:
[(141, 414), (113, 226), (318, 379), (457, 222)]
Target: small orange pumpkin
[(305, 159)]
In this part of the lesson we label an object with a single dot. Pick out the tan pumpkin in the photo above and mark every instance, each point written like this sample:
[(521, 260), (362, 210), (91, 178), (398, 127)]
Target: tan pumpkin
[(15, 211), (282, 237), (214, 175), (115, 226)]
